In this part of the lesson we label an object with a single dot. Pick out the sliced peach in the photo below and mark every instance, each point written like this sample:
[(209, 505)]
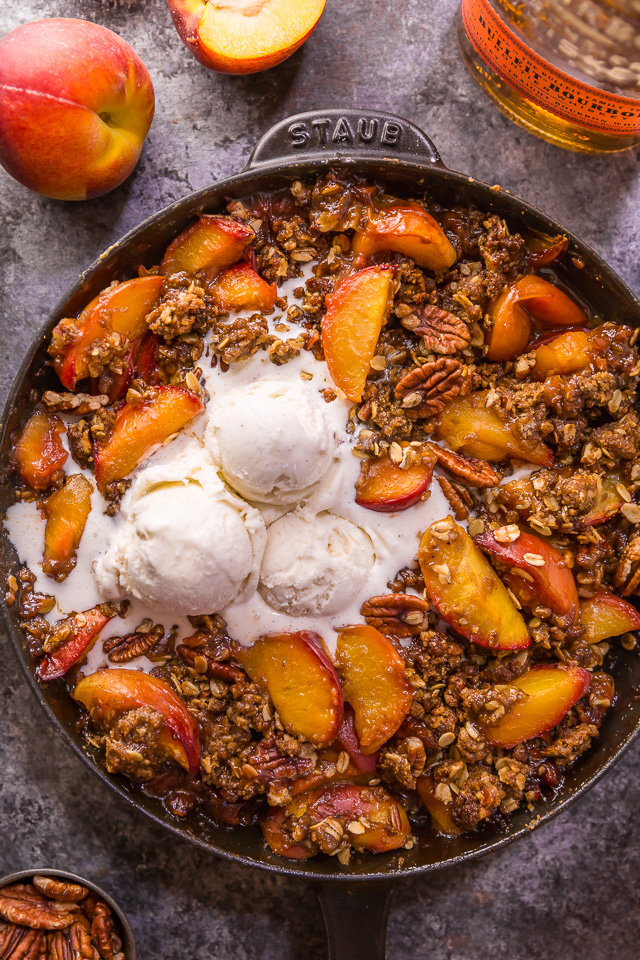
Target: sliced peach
[(140, 429), (551, 692), (608, 503), (300, 680), (511, 326), (386, 487), (241, 288), (544, 249), (244, 36), (466, 591), (385, 822), (438, 810), (354, 315), (349, 741), (374, 683), (39, 453), (109, 692), (605, 615), (547, 575), (66, 511), (475, 430), (120, 309), (548, 303), (548, 336), (511, 313), (408, 229), (211, 244), (83, 630)]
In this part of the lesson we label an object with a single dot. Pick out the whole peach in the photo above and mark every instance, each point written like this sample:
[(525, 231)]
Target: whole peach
[(76, 103)]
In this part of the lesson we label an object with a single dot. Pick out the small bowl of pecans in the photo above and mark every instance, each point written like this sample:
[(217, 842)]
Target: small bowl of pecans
[(55, 915)]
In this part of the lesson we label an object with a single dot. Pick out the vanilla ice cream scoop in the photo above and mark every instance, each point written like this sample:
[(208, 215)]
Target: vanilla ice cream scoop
[(314, 564), (272, 440), (188, 545)]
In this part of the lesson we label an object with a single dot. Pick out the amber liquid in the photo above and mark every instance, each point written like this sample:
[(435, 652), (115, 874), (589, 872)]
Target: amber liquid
[(596, 42)]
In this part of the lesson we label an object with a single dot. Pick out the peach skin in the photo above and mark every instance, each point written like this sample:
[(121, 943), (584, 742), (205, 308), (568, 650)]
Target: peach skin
[(244, 36), (547, 580), (76, 103), (83, 630)]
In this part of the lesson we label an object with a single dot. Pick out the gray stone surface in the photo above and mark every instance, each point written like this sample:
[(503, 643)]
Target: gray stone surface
[(568, 891)]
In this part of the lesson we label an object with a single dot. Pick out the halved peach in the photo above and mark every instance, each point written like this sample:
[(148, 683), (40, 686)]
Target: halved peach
[(211, 244), (120, 309), (551, 689), (466, 591), (241, 288), (386, 487), (83, 630), (605, 615), (408, 229), (374, 683), (475, 430), (547, 575), (110, 692), (66, 511), (354, 315), (39, 453), (348, 739), (141, 428), (384, 821), (511, 313), (244, 36), (438, 810), (300, 680)]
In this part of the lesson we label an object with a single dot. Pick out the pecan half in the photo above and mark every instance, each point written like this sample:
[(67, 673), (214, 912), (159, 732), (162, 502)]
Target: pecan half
[(22, 908), (60, 889), (474, 473), (80, 403), (10, 939), (459, 498), (80, 943), (103, 932), (442, 332), (59, 947), (123, 649), (396, 614), (425, 390), (627, 575)]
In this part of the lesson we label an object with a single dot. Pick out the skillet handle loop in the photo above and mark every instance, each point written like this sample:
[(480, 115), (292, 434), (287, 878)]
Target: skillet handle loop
[(355, 916), (321, 136)]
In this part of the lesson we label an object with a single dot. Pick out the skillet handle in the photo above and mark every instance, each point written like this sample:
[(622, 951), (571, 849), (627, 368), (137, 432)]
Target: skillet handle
[(325, 135), (355, 916)]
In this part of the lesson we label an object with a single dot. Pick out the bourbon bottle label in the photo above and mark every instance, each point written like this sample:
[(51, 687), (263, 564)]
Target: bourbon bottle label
[(540, 81)]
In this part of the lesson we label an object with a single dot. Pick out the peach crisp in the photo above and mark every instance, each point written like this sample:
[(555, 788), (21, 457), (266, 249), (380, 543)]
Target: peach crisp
[(327, 522)]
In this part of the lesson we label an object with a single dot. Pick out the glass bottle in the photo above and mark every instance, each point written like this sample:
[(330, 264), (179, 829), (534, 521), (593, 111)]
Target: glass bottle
[(566, 70)]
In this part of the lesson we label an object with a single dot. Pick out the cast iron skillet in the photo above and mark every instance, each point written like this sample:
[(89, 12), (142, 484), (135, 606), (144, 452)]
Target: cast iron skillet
[(392, 151)]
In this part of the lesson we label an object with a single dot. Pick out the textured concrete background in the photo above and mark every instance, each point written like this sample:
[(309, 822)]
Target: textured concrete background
[(568, 891)]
